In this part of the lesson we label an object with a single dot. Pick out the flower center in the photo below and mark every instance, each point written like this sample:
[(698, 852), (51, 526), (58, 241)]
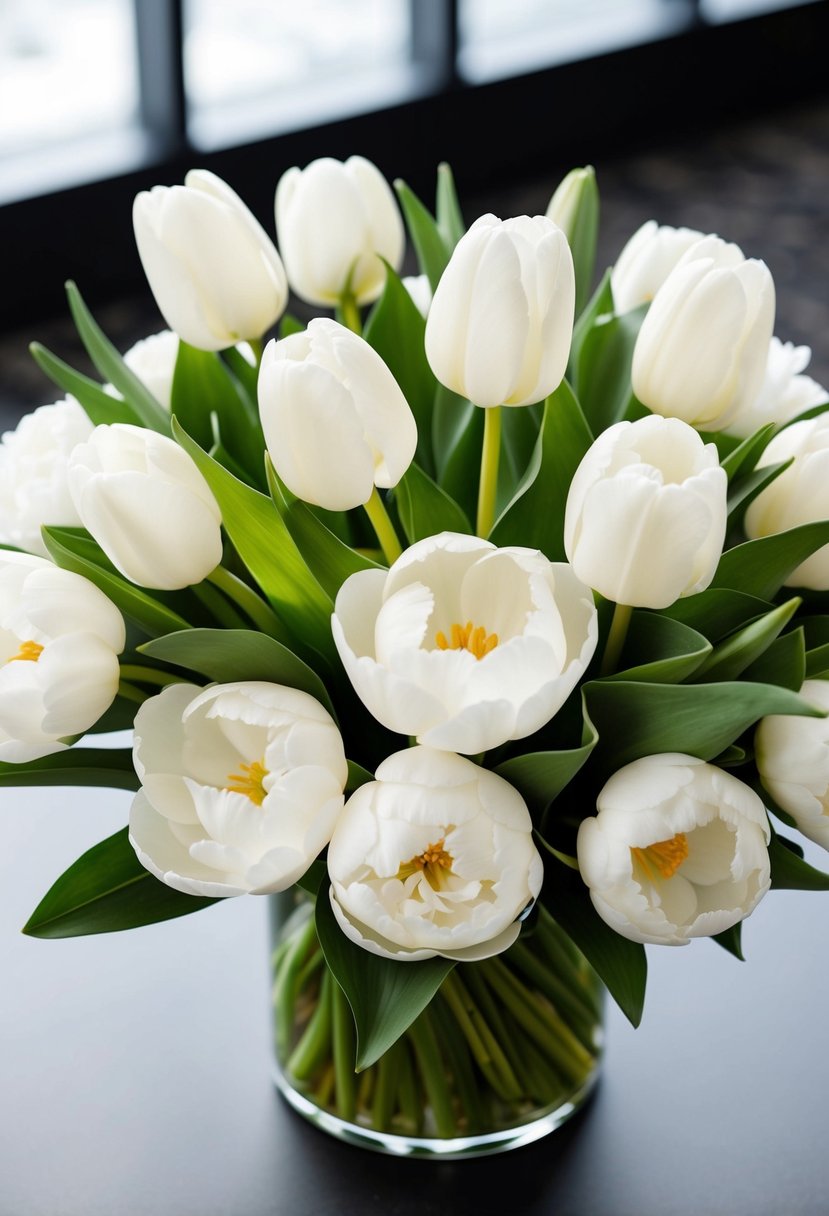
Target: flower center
[(666, 856), (435, 863), (473, 638), (29, 652), (250, 781)]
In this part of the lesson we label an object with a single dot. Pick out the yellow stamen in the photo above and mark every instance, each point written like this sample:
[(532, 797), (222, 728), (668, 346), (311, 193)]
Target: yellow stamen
[(250, 781), (29, 652), (666, 856), (473, 638), (434, 862)]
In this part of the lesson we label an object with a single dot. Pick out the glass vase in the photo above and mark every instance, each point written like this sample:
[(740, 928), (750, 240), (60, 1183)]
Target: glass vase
[(506, 1051)]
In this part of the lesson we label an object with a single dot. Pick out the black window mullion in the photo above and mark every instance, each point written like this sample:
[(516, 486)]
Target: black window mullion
[(434, 38), (159, 39)]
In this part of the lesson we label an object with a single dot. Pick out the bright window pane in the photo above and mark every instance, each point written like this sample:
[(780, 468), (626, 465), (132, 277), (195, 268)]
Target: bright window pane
[(253, 68)]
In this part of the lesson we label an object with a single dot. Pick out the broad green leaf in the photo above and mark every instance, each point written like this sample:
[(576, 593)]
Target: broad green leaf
[(71, 550), (385, 996), (458, 429), (451, 416), (816, 631), (227, 655), (603, 379), (447, 208), (760, 567), (89, 766), (425, 509), (731, 940), (582, 230), (619, 963), (660, 650), (106, 890), (535, 516), (329, 559), (738, 651), (113, 368), (743, 490), (717, 612), (790, 872), (101, 408), (431, 248), (541, 776), (357, 776), (519, 435), (395, 330), (290, 325), (745, 456), (784, 662), (599, 305), (265, 545), (635, 720)]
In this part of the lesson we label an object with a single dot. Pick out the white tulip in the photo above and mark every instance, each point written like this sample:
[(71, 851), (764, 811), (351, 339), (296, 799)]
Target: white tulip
[(646, 261), (241, 785), (677, 850), (792, 755), (701, 352), (800, 495), (335, 421), (501, 321), (33, 473), (785, 392), (563, 208), (214, 272), (646, 513), (420, 290), (434, 857), (333, 219), (147, 505), (153, 360), (59, 641), (462, 644)]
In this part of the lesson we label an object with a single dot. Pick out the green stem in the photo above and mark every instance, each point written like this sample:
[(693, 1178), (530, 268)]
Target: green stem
[(568, 1003), (488, 483), (247, 599), (384, 1089), (460, 1066), (285, 983), (483, 1044), (130, 693), (150, 675), (312, 1049), (616, 638), (433, 1074), (218, 607), (343, 1035), (350, 313), (382, 525), (411, 1107)]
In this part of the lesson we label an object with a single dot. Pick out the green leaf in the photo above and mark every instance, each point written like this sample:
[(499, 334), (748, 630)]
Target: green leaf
[(113, 368), (541, 776), (660, 650), (431, 248), (228, 655), (357, 776), (72, 550), (731, 940), (329, 559), (760, 567), (101, 408), (290, 325), (458, 430), (447, 208), (717, 612), (106, 890), (582, 231), (784, 662), (90, 766), (603, 374), (745, 456), (619, 963), (738, 651), (535, 516), (265, 545), (425, 509), (792, 873), (599, 305), (744, 490), (635, 720), (385, 996)]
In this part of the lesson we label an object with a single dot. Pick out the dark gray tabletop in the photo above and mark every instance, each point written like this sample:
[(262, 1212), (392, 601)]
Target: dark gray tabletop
[(134, 1073)]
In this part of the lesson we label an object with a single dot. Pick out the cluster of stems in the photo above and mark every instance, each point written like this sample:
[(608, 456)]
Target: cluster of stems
[(502, 1042)]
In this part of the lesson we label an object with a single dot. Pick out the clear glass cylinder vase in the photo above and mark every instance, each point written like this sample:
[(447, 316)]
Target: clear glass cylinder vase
[(506, 1051)]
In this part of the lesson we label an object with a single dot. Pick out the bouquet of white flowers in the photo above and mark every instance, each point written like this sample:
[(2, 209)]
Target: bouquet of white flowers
[(465, 620)]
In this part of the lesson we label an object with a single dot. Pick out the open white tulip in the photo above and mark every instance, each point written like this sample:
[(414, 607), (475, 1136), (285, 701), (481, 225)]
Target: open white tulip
[(677, 850), (147, 505), (333, 219), (792, 755), (215, 274), (785, 392), (335, 421), (800, 495), (702, 349), (465, 645), (646, 513), (59, 641), (241, 785), (646, 261), (33, 473), (501, 321), (434, 857)]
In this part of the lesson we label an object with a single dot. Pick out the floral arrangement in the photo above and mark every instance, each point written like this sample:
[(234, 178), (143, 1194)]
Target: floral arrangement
[(488, 613)]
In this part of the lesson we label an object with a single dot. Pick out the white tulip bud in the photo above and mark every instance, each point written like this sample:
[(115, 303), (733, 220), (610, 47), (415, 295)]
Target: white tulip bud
[(465, 645), (646, 513), (799, 495), (501, 322), (34, 490), (335, 421), (702, 349), (563, 208), (792, 755), (147, 505), (784, 393), (59, 641), (677, 850), (646, 261), (153, 360), (435, 857), (241, 785), (214, 272), (333, 219)]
